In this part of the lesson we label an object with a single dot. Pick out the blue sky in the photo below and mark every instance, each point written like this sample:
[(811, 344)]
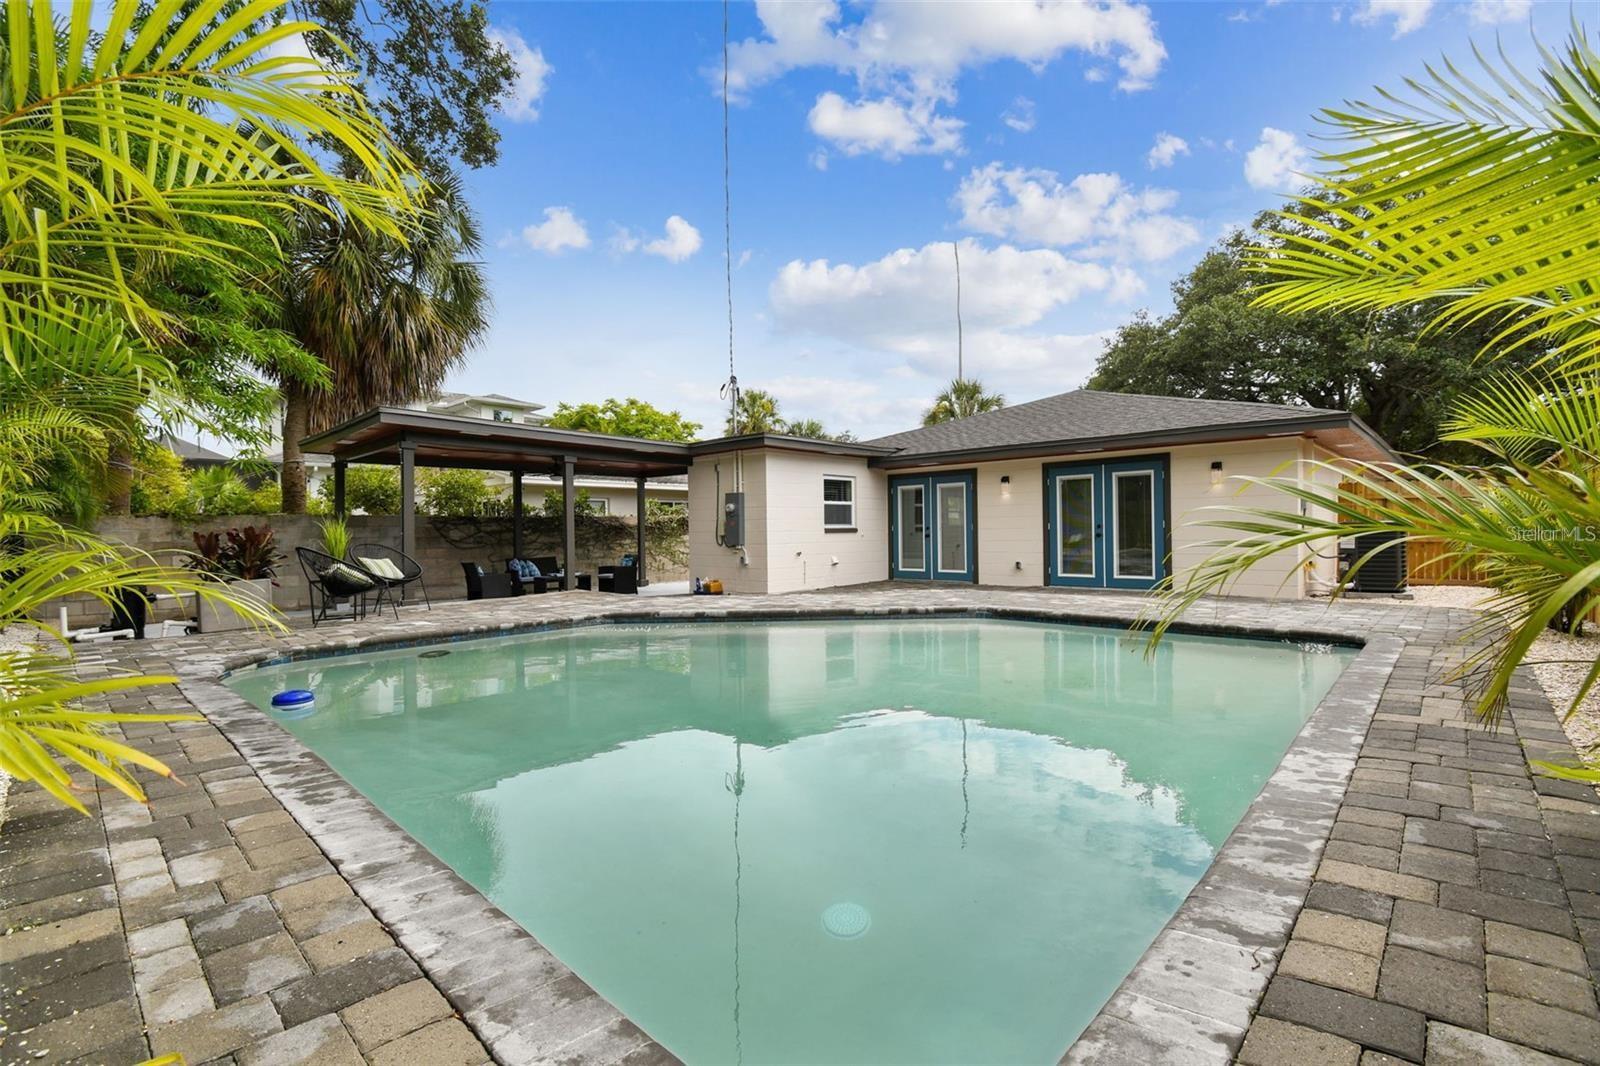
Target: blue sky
[(1084, 155)]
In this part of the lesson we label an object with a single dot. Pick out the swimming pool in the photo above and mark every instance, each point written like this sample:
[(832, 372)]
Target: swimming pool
[(839, 841)]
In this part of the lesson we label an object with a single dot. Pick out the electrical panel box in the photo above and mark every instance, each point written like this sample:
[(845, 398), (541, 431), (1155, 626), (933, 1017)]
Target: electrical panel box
[(733, 520)]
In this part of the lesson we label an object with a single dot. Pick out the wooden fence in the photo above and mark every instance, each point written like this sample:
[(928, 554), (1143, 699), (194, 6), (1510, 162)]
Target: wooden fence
[(1427, 563)]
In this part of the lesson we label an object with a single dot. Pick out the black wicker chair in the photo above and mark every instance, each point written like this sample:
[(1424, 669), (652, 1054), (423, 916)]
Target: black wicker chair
[(332, 580), (366, 553), (486, 586)]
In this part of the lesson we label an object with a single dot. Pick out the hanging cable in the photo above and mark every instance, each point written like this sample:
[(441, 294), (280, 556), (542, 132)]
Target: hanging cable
[(731, 389)]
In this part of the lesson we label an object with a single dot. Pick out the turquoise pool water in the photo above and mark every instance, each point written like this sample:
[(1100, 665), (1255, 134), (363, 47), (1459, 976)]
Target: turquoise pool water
[(833, 842)]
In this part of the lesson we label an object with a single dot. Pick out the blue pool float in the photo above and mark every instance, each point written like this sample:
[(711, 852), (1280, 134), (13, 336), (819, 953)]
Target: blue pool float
[(295, 703)]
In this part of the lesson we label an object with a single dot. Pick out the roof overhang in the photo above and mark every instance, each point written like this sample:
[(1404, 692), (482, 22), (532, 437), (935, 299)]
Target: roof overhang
[(783, 442), (1341, 433), (441, 440)]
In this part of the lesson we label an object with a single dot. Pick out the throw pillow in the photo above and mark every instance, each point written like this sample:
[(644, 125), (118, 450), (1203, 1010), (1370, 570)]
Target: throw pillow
[(384, 568), (349, 575)]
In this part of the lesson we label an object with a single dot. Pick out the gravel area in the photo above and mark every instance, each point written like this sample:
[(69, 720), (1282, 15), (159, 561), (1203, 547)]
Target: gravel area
[(1566, 661)]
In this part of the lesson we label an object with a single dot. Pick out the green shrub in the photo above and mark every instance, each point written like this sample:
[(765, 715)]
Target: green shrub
[(458, 494), (368, 489), (266, 498), (160, 483), (217, 491)]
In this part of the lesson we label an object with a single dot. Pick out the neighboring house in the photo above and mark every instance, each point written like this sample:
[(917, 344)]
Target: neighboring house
[(607, 495), (491, 405), (1086, 489), (194, 456)]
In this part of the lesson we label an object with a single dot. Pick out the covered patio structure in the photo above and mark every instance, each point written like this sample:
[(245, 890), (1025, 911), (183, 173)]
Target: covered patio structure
[(398, 436)]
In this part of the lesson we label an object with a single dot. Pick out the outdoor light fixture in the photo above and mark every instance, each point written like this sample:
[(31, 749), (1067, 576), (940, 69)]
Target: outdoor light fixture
[(1005, 479), (1216, 472)]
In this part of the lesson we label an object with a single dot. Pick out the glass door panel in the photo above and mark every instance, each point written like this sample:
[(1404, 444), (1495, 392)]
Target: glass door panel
[(1075, 526), (912, 528), (952, 503), (1134, 517)]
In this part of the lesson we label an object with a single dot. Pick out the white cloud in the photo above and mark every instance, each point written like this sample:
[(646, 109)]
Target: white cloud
[(906, 58), (1276, 161), (560, 230), (930, 44), (532, 70), (1408, 15), (1493, 12), (1019, 116), (884, 127), (1166, 150), (819, 159), (680, 241), (1097, 213), (903, 305)]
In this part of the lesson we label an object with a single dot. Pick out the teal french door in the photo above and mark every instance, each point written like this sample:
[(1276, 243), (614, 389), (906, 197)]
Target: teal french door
[(933, 528), (1106, 523)]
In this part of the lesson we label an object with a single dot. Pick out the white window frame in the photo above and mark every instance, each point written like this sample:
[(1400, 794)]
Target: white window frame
[(826, 503), (966, 526), (599, 505), (1061, 526), (1116, 525)]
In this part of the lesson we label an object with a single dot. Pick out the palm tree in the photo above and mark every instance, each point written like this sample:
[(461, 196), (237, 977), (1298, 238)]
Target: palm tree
[(962, 399), (389, 319), (120, 130), (758, 413), (1482, 202)]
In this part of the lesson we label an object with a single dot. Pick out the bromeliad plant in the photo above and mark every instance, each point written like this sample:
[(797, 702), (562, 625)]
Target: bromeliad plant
[(1477, 194), (236, 554)]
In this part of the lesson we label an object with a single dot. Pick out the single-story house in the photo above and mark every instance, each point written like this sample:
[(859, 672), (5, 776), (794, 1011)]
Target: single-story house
[(1086, 489)]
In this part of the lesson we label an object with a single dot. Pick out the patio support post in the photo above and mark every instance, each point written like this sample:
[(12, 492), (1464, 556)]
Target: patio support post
[(638, 483), (569, 532), (338, 488), (408, 498), (516, 514)]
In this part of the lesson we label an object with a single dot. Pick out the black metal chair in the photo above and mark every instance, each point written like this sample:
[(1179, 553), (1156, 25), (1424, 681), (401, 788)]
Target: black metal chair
[(332, 580), (370, 555), (486, 586)]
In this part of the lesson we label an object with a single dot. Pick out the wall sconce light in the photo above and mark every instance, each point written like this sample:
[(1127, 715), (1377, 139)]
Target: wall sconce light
[(1216, 472), (1005, 479)]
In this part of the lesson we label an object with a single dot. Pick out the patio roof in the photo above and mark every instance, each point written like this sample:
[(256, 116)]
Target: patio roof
[(400, 436), (480, 444)]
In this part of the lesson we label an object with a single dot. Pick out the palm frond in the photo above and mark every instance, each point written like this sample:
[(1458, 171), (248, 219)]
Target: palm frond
[(1483, 192), (111, 141), (1535, 529)]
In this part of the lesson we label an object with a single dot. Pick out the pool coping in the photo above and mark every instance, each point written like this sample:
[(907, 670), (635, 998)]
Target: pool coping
[(1192, 993)]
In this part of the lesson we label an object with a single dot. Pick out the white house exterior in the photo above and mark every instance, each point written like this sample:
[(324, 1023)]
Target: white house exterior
[(1085, 489)]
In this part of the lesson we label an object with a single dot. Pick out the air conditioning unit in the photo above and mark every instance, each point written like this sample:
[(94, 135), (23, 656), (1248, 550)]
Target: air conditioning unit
[(1386, 571)]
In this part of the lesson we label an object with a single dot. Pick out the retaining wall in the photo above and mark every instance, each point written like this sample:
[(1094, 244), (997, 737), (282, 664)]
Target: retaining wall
[(443, 544)]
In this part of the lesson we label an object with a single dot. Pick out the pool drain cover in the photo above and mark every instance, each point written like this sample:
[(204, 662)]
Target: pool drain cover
[(846, 920)]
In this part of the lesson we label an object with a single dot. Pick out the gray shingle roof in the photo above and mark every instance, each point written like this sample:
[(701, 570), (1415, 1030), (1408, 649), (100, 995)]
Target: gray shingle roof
[(189, 451), (1085, 414)]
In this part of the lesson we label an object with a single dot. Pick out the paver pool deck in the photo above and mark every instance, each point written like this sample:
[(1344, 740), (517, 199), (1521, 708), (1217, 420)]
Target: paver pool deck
[(1405, 889)]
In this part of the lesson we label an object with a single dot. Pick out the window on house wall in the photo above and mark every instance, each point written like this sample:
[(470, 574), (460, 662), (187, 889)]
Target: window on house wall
[(838, 503), (502, 416), (599, 505)]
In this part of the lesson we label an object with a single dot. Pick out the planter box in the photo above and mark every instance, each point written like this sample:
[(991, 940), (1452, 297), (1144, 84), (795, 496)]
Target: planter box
[(218, 618)]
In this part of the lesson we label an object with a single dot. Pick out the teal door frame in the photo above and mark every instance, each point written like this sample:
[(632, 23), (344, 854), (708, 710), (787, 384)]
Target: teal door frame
[(929, 491), (1099, 481)]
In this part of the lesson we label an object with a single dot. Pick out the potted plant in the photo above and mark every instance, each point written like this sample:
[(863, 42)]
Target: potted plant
[(246, 559)]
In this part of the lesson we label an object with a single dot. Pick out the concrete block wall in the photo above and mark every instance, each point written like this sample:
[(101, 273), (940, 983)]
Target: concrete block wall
[(443, 544)]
